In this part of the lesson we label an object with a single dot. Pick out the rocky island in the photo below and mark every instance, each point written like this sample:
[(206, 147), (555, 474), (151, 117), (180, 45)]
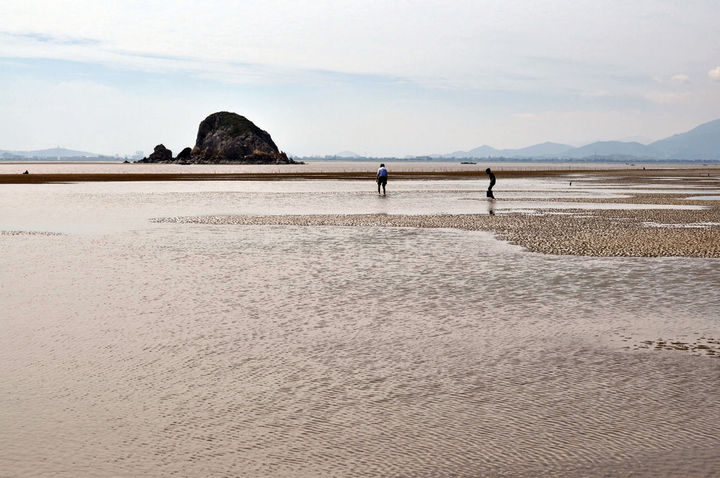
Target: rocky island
[(225, 138)]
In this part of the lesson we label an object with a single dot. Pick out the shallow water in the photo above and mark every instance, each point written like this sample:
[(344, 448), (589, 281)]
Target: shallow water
[(106, 206), (131, 348), (17, 167), (706, 198)]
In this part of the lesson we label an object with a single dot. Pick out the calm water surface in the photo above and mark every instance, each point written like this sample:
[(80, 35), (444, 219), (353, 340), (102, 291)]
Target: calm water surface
[(131, 348)]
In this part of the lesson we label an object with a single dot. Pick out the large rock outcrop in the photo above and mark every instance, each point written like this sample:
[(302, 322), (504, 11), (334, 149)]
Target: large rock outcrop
[(160, 155), (185, 155), (226, 137)]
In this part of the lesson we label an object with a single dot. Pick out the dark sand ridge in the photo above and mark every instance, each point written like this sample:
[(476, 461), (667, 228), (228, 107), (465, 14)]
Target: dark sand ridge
[(420, 174)]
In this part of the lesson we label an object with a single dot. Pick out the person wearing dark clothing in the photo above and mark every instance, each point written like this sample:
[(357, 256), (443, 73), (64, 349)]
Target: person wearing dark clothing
[(492, 183), (382, 175)]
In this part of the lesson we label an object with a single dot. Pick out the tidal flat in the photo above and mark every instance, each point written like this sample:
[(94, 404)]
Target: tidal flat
[(309, 327)]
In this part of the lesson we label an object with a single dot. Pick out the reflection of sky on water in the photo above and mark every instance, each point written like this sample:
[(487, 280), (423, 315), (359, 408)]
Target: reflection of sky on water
[(121, 205), (17, 167), (187, 346), (293, 336), (705, 198)]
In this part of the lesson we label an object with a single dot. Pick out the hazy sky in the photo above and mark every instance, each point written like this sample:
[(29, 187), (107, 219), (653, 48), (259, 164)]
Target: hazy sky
[(374, 77)]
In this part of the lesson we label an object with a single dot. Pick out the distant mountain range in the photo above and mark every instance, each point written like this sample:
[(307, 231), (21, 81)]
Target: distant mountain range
[(347, 154), (700, 143), (52, 153)]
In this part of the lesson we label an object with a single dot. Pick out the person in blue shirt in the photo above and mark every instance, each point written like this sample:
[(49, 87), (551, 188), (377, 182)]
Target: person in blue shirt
[(382, 178)]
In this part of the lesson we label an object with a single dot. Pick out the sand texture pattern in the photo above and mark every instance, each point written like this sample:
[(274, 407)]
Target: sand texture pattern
[(629, 233), (314, 328)]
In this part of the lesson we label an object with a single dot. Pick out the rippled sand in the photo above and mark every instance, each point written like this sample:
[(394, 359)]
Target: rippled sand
[(221, 342), (651, 233)]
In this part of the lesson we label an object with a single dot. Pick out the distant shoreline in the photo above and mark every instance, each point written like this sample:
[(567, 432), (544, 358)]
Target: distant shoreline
[(417, 172), (394, 160)]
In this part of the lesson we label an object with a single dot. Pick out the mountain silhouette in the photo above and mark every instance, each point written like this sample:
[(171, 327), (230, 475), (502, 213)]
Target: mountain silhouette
[(700, 143)]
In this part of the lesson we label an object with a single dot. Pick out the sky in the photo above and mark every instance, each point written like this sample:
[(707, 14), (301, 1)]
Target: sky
[(377, 78)]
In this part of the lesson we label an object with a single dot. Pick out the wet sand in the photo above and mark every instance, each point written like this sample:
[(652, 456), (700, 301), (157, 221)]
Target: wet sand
[(332, 171), (631, 233), (581, 232), (293, 329)]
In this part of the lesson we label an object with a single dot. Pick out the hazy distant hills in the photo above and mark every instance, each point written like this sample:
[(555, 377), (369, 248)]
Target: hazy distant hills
[(700, 143), (614, 148), (547, 149), (347, 154), (52, 153)]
